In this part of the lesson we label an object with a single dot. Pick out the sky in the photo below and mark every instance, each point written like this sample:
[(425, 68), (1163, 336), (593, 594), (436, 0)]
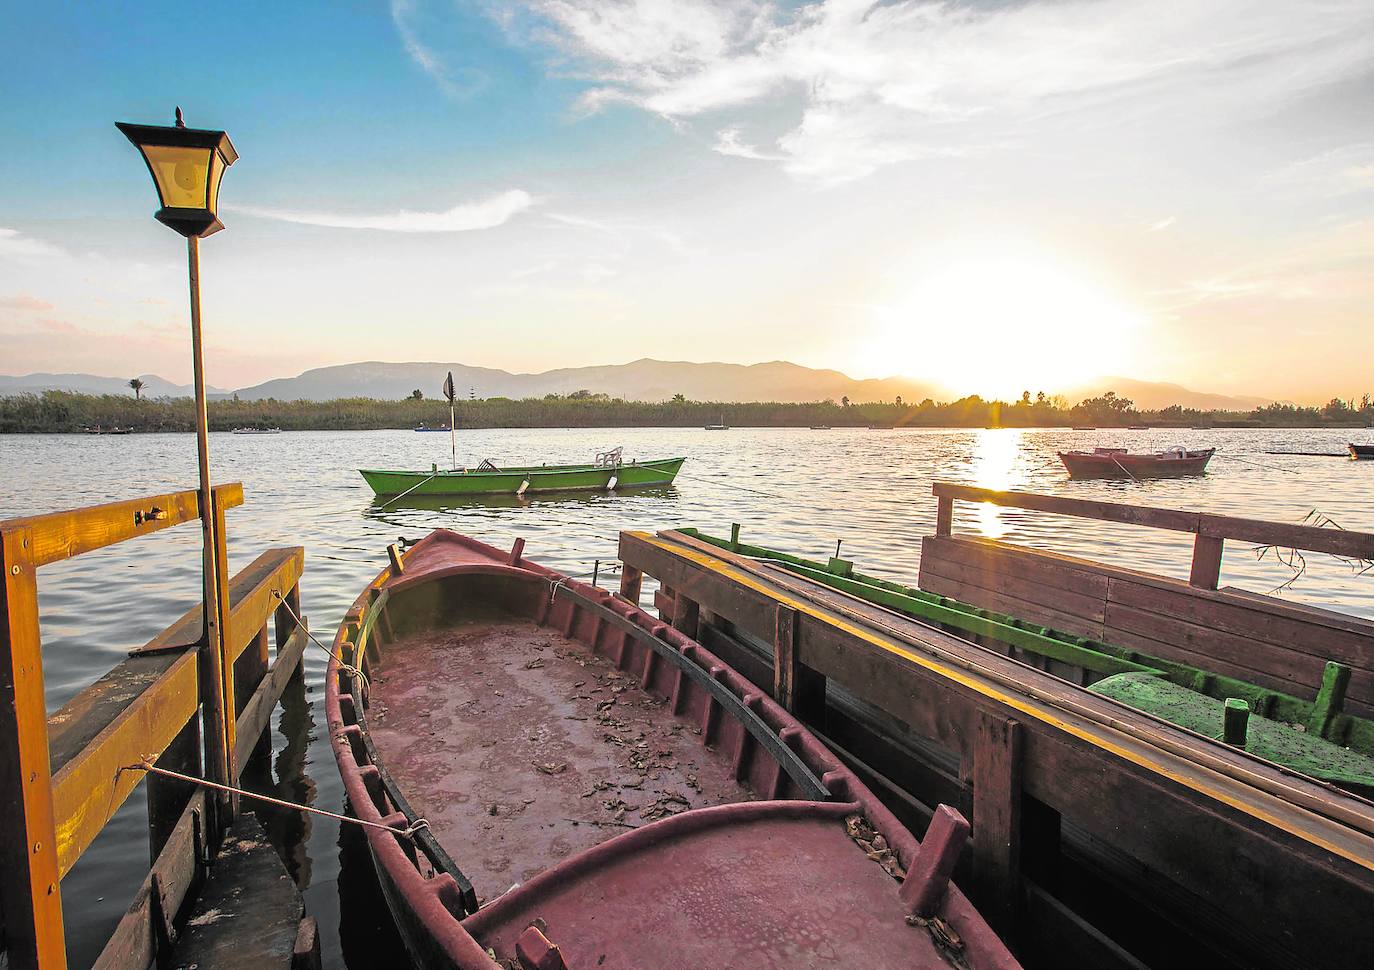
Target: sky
[(986, 195)]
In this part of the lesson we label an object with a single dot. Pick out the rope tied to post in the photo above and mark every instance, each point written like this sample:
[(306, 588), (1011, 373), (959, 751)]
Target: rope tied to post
[(147, 765), (344, 665)]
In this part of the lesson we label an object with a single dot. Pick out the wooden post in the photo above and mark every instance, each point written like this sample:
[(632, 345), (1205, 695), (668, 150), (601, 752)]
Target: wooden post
[(798, 688), (631, 579), (229, 694), (997, 819), (29, 876), (1206, 572), (283, 619), (167, 797), (686, 615), (944, 515)]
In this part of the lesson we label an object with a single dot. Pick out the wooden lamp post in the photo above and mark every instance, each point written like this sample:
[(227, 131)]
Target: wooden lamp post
[(187, 165)]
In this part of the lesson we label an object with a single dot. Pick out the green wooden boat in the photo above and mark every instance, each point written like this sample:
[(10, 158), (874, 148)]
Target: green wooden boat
[(488, 479), (1315, 736)]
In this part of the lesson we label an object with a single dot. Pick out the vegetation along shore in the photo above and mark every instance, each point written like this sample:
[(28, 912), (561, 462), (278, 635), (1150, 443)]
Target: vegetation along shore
[(61, 411)]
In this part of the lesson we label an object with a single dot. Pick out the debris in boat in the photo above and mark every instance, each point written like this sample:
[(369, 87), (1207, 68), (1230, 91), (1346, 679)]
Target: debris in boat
[(535, 664), (551, 767), (946, 941), (693, 784), (874, 845), (669, 803)]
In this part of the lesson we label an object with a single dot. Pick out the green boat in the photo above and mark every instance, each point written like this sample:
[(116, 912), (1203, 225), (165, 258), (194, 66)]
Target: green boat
[(488, 479), (1315, 736)]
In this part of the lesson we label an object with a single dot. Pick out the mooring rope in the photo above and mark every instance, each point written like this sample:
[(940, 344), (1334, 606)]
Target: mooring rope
[(412, 488), (344, 665), (145, 765)]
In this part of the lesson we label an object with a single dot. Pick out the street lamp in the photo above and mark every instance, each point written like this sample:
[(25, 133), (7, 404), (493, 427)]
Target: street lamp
[(186, 165)]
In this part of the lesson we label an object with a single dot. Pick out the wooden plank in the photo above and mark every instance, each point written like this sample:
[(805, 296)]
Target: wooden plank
[(168, 797), (630, 581), (89, 788), (944, 515), (1206, 568), (1156, 518), (257, 713), (137, 937), (1030, 611), (1077, 600), (1338, 542), (997, 819), (29, 875), (61, 535), (686, 616)]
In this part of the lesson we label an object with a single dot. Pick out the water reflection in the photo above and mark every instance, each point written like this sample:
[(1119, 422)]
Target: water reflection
[(997, 464)]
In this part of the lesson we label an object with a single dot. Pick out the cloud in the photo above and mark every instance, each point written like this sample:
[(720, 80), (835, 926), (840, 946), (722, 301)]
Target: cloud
[(14, 243), (1337, 171), (728, 143), (22, 301), (465, 217), (458, 83), (870, 84), (1161, 225)]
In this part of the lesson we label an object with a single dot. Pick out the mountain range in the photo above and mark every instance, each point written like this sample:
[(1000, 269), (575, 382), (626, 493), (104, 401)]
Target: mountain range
[(640, 380)]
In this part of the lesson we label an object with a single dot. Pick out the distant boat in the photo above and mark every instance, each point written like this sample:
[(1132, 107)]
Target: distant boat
[(1361, 451), (1137, 427), (114, 429), (820, 427), (719, 427), (1083, 427), (488, 479), (1120, 463), (880, 427), (424, 427), (257, 431)]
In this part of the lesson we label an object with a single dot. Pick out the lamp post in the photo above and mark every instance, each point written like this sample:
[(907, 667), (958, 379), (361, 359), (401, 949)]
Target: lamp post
[(186, 165)]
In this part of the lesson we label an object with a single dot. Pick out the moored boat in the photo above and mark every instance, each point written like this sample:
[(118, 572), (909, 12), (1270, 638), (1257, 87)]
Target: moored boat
[(250, 430), (488, 479), (719, 426), (1361, 451), (600, 791), (1121, 463), (113, 429), (424, 427)]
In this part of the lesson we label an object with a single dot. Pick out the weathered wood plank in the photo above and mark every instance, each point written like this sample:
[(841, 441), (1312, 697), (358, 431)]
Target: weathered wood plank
[(1000, 576), (997, 819), (1038, 565), (686, 616), (1206, 567), (61, 535), (89, 788), (932, 581)]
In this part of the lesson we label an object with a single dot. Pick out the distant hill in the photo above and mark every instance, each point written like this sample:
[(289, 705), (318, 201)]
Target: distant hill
[(1153, 395), (640, 380), (154, 386)]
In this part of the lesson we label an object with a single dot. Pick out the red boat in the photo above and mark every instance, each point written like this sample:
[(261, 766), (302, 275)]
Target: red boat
[(1121, 463), (616, 796)]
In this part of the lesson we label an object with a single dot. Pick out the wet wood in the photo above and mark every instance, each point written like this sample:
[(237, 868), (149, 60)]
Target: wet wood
[(686, 616), (1206, 569), (997, 819), (256, 717)]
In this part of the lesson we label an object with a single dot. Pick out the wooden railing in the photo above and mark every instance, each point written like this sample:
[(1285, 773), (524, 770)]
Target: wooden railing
[(63, 778), (1212, 531)]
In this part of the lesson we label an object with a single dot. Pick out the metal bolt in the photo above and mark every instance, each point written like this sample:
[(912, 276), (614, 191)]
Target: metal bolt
[(36, 847), (15, 569)]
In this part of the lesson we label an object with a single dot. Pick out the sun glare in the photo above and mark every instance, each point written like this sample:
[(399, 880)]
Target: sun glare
[(1000, 325)]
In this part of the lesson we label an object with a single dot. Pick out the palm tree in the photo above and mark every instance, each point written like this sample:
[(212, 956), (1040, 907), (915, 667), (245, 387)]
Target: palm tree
[(138, 386)]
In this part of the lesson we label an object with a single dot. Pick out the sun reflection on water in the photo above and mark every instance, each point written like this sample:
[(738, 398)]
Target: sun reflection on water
[(997, 464)]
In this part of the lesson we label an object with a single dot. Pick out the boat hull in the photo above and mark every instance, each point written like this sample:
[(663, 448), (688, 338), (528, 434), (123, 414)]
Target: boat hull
[(1082, 464), (1361, 452), (733, 883), (524, 480)]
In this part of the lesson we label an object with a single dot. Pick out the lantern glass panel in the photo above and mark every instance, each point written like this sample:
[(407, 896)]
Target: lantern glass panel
[(181, 174)]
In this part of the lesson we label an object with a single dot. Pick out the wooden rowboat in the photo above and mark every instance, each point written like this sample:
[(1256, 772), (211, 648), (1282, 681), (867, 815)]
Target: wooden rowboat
[(1361, 451), (1120, 463), (599, 791), (488, 479)]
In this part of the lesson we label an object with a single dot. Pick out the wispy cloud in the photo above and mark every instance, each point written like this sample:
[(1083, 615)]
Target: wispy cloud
[(465, 217), (458, 83), (15, 243), (1162, 224), (22, 301), (870, 84), (728, 143)]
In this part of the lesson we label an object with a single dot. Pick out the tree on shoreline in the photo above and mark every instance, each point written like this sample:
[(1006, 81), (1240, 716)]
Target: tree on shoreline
[(138, 387)]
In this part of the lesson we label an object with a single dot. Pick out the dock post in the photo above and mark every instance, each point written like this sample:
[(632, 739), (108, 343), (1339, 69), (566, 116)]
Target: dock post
[(1206, 571), (29, 874), (997, 819), (686, 615), (798, 688), (631, 579), (944, 515)]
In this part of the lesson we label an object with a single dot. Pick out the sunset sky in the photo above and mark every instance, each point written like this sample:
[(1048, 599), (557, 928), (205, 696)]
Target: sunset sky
[(986, 195)]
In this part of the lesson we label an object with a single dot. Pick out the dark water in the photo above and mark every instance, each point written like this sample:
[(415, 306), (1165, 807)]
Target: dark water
[(798, 489)]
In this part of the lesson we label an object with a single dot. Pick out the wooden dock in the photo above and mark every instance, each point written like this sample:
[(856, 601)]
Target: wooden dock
[(175, 703), (1102, 836)]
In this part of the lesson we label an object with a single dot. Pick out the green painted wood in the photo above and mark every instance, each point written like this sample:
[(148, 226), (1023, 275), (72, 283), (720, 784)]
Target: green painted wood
[(508, 481)]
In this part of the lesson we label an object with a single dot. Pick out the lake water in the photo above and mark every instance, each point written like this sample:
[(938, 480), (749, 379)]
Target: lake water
[(798, 489)]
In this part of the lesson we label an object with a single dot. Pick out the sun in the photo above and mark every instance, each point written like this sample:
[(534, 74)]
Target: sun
[(998, 325)]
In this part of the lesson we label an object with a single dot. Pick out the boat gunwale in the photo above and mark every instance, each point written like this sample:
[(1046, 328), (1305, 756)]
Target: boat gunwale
[(432, 900), (517, 469)]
